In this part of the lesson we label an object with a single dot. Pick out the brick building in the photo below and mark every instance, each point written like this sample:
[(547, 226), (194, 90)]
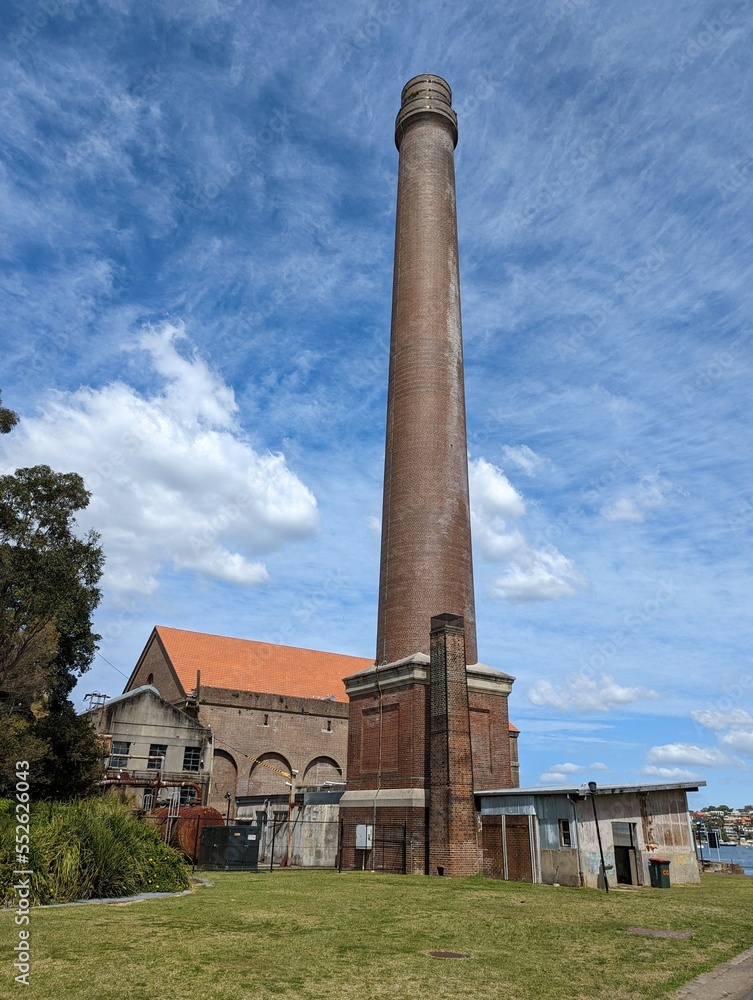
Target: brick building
[(260, 709), (270, 708), (393, 766)]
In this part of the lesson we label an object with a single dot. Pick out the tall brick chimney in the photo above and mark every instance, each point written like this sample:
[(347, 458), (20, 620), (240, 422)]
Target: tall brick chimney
[(426, 566), (410, 768)]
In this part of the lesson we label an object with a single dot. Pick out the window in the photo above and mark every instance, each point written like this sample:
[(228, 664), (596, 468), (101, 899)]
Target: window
[(191, 758), (119, 753), (187, 795), (157, 753), (565, 838)]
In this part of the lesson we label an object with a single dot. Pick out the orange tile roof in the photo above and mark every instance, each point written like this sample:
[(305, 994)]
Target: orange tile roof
[(245, 665), (512, 728)]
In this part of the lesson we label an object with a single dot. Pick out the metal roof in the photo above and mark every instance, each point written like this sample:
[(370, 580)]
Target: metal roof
[(583, 790), (124, 697)]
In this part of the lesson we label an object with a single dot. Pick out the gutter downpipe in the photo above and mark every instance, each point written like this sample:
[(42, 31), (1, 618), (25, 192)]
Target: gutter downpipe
[(577, 841)]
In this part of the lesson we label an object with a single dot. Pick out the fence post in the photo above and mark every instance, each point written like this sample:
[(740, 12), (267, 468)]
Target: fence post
[(272, 852), (340, 848), (196, 844), (405, 848)]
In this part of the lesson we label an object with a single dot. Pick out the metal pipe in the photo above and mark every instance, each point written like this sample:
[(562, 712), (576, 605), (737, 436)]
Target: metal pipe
[(146, 783)]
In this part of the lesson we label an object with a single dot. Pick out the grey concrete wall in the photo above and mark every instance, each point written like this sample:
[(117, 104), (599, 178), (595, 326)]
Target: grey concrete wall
[(145, 719), (560, 867)]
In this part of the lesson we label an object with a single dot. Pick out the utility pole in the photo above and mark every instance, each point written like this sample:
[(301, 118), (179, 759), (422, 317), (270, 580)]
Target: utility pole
[(592, 790), (291, 806)]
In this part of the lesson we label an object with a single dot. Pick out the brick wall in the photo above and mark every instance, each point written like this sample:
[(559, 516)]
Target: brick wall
[(154, 663), (305, 734), (405, 760), (490, 735), (452, 827), (397, 830), (512, 832)]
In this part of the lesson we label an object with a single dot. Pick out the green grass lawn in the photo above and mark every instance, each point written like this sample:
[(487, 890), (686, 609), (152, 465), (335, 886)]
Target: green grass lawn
[(360, 935)]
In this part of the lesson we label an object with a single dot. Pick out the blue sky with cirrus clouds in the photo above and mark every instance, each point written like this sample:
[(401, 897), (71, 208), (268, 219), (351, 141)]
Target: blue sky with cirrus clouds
[(198, 212)]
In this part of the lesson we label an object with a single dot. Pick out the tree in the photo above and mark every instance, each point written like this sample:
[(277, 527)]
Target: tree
[(48, 593), (8, 419), (74, 758), (48, 587)]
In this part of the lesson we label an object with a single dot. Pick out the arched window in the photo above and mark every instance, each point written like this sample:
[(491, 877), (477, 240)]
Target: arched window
[(266, 777), (320, 771), (224, 781)]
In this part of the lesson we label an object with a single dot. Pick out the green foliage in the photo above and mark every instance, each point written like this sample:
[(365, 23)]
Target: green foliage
[(48, 586), (8, 419), (64, 754), (94, 849), (48, 592), (74, 763)]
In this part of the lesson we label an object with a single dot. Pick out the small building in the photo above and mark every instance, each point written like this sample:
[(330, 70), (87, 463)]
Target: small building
[(549, 835), (153, 748)]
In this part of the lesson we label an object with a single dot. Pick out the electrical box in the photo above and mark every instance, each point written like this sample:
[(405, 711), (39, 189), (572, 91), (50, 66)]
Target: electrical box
[(230, 848), (364, 837)]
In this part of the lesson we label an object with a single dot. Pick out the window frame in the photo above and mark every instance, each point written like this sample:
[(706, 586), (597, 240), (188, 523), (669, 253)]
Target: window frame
[(156, 751), (195, 752), (119, 758)]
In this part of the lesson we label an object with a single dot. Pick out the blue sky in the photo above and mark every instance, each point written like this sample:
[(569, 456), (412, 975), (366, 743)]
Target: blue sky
[(198, 205)]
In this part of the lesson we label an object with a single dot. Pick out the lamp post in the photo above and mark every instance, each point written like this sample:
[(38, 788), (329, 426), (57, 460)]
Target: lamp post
[(592, 790)]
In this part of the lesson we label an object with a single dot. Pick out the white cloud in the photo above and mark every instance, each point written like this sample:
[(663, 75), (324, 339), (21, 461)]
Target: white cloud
[(673, 773), (738, 724), (567, 768), (536, 574), (686, 754), (553, 778), (173, 479), (532, 574), (374, 524), (586, 693), (492, 493), (524, 458), (735, 718), (644, 496), (559, 773), (740, 740)]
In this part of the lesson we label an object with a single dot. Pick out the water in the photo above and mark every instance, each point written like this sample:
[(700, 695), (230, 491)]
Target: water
[(742, 855)]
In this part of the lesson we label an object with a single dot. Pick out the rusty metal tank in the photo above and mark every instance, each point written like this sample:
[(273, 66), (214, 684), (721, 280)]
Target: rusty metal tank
[(187, 827)]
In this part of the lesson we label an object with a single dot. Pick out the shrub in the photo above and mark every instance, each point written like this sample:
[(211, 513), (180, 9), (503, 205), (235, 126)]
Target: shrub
[(93, 849)]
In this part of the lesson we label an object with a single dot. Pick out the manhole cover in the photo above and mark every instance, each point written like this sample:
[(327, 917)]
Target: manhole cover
[(447, 954), (647, 932)]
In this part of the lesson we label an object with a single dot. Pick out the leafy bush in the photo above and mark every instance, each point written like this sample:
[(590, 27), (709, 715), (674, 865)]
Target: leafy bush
[(94, 849)]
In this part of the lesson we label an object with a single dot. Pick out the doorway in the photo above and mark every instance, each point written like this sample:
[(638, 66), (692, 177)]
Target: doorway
[(625, 853)]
